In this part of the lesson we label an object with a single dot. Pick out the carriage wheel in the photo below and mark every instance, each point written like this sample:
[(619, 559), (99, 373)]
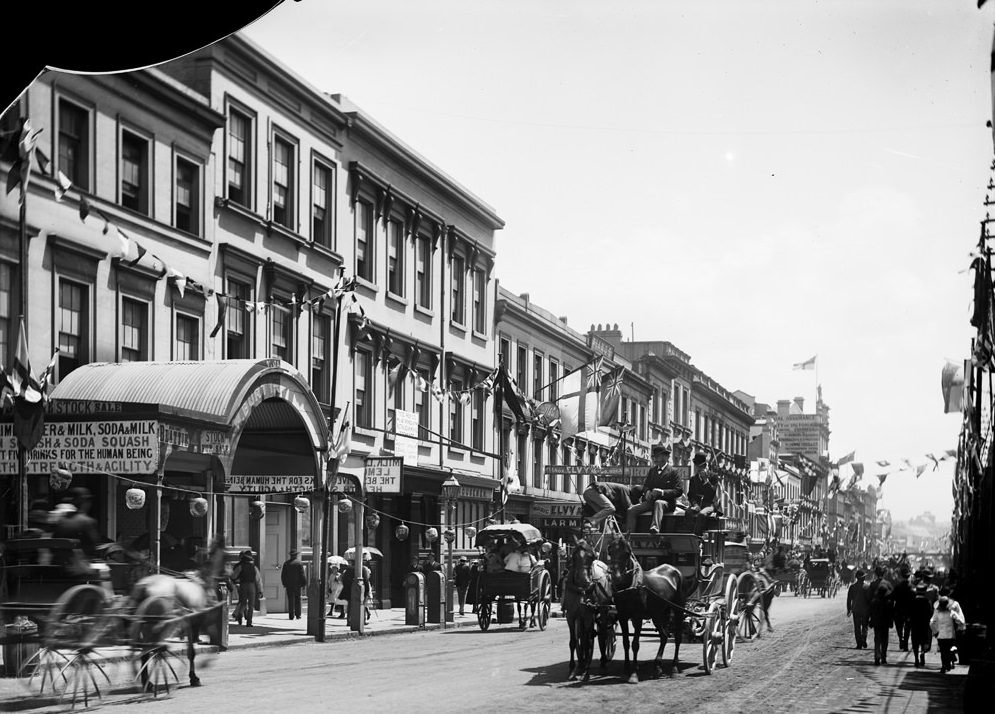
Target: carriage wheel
[(732, 609), (78, 619), (711, 636), (155, 622), (545, 599), (484, 615), (749, 605)]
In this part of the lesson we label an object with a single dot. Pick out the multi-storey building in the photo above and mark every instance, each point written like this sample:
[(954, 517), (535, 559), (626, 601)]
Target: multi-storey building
[(223, 200)]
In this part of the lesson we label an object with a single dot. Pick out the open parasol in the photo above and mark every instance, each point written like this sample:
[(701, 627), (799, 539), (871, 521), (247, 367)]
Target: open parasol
[(368, 553), (336, 560)]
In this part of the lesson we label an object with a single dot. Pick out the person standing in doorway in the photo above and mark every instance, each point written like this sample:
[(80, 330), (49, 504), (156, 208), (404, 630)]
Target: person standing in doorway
[(293, 576)]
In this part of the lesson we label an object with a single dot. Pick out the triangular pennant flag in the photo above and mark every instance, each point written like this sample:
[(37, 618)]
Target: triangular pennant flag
[(42, 160), (141, 253), (124, 244), (179, 280), (46, 374), (64, 185)]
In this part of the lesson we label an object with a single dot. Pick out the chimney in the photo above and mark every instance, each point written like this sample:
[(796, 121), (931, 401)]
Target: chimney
[(563, 320), (800, 403), (783, 408), (610, 333)]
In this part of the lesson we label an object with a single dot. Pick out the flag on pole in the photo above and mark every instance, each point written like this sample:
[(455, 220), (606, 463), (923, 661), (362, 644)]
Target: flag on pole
[(578, 403), (847, 459), (952, 384), (807, 364), (611, 395)]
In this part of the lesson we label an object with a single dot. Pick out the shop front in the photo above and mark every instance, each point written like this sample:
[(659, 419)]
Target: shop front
[(214, 448)]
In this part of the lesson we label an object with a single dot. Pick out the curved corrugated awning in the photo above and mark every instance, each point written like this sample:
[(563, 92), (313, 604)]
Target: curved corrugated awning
[(209, 391)]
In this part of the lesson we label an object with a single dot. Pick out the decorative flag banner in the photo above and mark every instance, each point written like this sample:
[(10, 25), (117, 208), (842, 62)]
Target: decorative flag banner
[(847, 459), (807, 364), (578, 403)]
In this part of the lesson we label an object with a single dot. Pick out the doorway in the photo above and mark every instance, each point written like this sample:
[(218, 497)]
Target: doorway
[(276, 550)]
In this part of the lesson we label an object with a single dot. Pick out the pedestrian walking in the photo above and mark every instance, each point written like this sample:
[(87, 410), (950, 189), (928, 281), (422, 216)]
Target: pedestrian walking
[(858, 607), (955, 609), (919, 615), (293, 577), (250, 587), (904, 595), (881, 613), (462, 575), (335, 598), (944, 624)]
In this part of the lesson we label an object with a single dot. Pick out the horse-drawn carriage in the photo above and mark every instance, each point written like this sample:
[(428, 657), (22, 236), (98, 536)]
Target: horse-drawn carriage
[(676, 578), (500, 590), (821, 578), (57, 608)]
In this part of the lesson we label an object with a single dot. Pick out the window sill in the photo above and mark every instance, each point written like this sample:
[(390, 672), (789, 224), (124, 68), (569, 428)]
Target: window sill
[(424, 311), (239, 210), (457, 451), (363, 282), (479, 335), (325, 250), (272, 227), (396, 299), (457, 326)]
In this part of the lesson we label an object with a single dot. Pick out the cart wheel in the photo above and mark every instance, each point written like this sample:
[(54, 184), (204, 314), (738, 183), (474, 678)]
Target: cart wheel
[(731, 632), (709, 640), (78, 619), (484, 615), (545, 599), (154, 622)]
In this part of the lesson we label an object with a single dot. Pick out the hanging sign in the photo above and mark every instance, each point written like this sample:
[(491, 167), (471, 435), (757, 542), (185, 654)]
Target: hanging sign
[(268, 483), (118, 447), (382, 474)]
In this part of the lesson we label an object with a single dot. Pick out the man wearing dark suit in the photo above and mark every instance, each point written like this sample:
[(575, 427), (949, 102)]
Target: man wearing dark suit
[(603, 499), (661, 489), (294, 580)]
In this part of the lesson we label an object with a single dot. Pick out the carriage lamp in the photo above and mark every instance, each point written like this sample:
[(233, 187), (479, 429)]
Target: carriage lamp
[(432, 535), (345, 506), (134, 498), (60, 478), (401, 532), (470, 532), (449, 535), (301, 504), (372, 520), (257, 510), (198, 507)]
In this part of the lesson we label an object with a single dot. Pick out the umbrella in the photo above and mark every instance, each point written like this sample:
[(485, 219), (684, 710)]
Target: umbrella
[(336, 560), (368, 553)]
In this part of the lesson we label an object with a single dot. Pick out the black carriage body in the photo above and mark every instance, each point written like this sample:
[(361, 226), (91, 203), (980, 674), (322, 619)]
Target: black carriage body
[(499, 589)]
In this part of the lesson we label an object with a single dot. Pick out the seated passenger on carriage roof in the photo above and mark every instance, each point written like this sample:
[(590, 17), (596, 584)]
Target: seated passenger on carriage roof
[(703, 488), (661, 489)]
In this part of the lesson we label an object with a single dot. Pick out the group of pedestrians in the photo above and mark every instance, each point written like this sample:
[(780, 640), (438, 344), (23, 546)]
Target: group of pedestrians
[(914, 606)]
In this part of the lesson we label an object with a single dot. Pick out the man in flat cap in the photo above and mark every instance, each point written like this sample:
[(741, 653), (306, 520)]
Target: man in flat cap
[(661, 489)]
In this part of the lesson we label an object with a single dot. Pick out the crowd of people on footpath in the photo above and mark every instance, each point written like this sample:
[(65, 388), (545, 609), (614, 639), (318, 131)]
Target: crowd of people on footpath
[(912, 604)]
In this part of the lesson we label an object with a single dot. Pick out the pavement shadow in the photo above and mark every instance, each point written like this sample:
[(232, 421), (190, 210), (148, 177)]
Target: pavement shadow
[(263, 630)]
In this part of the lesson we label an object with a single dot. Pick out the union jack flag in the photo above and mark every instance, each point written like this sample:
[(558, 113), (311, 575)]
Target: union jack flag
[(611, 394), (593, 372)]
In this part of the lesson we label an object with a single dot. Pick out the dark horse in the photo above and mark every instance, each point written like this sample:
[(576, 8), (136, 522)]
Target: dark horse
[(586, 591), (656, 594), (165, 604)]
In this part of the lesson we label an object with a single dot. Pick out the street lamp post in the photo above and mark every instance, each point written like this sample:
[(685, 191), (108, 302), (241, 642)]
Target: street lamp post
[(450, 490)]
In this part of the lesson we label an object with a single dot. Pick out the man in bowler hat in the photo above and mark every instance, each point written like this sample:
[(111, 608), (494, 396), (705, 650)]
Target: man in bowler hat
[(661, 489), (858, 605), (293, 576)]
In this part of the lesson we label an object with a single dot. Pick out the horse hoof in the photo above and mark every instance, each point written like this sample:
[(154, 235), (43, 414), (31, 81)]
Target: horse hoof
[(587, 677), (572, 677), (633, 679), (194, 681)]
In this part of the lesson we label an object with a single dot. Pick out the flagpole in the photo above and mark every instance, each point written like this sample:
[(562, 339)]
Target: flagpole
[(22, 249), (499, 413)]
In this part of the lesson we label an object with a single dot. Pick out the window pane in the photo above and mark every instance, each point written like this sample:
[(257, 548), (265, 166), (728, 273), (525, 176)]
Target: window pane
[(238, 158), (74, 144), (364, 238), (237, 322), (458, 299), (73, 320), (187, 190), (134, 172), (134, 341), (395, 257), (186, 338), (283, 197)]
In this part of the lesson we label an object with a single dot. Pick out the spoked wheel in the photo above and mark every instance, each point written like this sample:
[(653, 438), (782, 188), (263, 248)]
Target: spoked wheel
[(78, 619), (731, 620), (484, 611), (154, 623), (545, 599), (711, 636), (749, 606)]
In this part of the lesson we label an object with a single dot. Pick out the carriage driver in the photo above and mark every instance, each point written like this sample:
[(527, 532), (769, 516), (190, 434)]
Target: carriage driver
[(603, 499), (661, 490)]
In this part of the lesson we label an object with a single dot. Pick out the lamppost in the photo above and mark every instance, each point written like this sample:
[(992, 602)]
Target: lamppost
[(450, 489)]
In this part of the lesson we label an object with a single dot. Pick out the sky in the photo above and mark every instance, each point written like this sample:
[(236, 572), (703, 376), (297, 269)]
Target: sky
[(757, 183)]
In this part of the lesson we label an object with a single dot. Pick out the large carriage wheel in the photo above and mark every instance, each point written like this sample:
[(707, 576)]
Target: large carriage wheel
[(711, 636), (78, 619), (750, 604), (484, 611), (545, 599), (733, 608), (155, 621)]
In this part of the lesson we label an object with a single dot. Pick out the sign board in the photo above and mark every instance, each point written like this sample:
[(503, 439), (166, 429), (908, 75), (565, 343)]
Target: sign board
[(406, 423), (629, 475), (269, 483), (382, 474), (406, 436), (557, 510), (202, 441), (552, 523), (117, 447)]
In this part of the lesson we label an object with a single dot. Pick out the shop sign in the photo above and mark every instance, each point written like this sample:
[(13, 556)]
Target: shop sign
[(202, 441), (549, 523), (269, 483), (117, 447), (478, 493), (557, 510), (73, 407), (406, 436), (382, 474)]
